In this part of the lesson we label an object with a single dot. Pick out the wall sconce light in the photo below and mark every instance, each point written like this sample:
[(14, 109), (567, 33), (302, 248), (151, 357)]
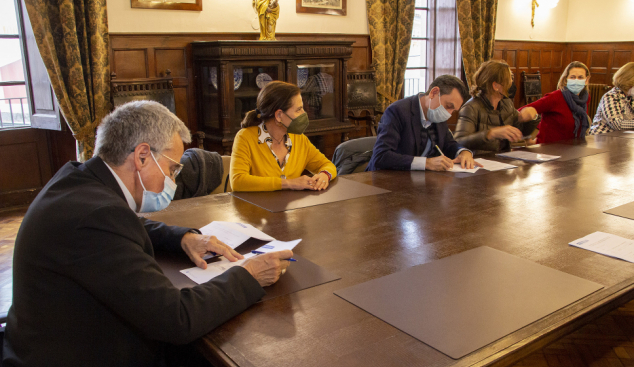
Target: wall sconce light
[(546, 3)]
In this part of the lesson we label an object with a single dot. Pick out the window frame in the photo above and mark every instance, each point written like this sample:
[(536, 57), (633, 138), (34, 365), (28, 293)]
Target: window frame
[(426, 39)]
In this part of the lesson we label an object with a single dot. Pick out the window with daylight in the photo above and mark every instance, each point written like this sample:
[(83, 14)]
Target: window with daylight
[(26, 97), (416, 72)]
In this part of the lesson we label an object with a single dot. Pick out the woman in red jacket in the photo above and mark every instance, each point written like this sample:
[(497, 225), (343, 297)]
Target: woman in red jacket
[(564, 111)]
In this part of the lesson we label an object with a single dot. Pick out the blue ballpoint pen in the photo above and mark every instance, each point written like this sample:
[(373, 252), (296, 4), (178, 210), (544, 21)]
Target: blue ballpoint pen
[(260, 253)]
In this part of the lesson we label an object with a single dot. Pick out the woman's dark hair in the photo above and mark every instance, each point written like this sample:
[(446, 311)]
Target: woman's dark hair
[(274, 96)]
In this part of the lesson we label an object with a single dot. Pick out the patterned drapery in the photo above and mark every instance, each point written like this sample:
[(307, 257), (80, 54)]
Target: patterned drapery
[(476, 19), (391, 23), (72, 37)]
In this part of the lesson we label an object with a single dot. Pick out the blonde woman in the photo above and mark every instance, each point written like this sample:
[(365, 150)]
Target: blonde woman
[(564, 112), (616, 109), (489, 120)]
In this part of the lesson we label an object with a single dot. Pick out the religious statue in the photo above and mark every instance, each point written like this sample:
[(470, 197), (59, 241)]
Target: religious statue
[(268, 11)]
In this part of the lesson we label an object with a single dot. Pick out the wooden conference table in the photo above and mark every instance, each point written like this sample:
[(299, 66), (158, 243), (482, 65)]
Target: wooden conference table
[(532, 212)]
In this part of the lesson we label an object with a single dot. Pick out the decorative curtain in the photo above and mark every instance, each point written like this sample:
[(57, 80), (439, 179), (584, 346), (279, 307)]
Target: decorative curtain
[(476, 20), (72, 37), (391, 23)]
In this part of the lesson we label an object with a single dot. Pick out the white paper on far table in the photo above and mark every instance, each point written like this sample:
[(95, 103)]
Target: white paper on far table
[(493, 165), (456, 168), (607, 244), (279, 246), (529, 156)]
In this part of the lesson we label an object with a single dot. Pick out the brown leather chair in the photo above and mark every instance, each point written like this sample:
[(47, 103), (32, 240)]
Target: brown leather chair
[(596, 93), (362, 101), (532, 85)]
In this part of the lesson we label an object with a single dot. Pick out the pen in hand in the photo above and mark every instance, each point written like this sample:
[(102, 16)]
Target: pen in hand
[(439, 151), (260, 253)]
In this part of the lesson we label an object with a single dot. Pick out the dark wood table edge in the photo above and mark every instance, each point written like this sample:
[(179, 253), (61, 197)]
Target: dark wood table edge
[(214, 354), (580, 316)]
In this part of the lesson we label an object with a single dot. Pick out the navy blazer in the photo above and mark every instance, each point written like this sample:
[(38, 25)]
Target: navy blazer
[(87, 290), (399, 140)]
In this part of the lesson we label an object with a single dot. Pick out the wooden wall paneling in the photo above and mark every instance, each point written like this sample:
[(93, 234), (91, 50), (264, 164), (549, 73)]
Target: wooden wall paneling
[(130, 63)]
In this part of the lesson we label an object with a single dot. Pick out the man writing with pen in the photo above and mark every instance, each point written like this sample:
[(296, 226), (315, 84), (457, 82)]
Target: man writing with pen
[(413, 133)]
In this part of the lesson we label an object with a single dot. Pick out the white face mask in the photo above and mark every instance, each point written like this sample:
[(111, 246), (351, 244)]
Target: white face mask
[(439, 114)]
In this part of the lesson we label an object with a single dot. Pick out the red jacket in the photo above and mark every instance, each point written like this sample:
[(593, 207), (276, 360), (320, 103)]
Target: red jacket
[(557, 120)]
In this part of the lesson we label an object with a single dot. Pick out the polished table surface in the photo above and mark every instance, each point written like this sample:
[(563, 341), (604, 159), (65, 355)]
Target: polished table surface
[(532, 211)]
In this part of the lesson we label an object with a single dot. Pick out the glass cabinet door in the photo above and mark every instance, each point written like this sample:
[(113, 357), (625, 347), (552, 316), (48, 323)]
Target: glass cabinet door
[(210, 103), (317, 83), (248, 80)]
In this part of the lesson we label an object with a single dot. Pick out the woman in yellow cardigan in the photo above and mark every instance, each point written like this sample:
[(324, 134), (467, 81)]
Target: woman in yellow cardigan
[(270, 152)]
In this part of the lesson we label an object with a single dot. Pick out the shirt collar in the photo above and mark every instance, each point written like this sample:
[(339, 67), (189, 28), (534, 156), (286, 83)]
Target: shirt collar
[(265, 137), (126, 192), (423, 120)]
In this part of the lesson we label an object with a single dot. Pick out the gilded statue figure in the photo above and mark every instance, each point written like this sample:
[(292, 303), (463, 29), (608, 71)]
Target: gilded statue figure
[(268, 11)]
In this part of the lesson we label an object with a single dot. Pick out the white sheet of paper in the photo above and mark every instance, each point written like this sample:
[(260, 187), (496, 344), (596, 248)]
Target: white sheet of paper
[(457, 168), (200, 276), (493, 165), (279, 246), (214, 269), (529, 156), (234, 234), (607, 244)]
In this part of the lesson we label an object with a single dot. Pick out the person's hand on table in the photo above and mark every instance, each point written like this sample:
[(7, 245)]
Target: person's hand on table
[(197, 245), (508, 132), (465, 158), (267, 268), (299, 183), (320, 181), (441, 163)]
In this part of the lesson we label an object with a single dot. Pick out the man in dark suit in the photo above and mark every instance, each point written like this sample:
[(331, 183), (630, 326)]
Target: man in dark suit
[(86, 288), (411, 130)]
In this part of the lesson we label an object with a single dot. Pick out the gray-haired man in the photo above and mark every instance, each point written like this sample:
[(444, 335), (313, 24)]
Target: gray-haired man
[(86, 288)]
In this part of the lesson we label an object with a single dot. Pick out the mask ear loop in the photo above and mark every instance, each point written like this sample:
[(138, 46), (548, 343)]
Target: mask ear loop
[(159, 166)]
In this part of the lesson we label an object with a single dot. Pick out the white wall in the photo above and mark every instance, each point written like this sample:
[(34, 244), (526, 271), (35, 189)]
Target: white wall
[(600, 21), (231, 16), (570, 21), (514, 21)]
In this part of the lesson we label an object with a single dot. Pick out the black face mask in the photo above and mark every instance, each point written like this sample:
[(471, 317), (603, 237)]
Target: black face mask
[(512, 90)]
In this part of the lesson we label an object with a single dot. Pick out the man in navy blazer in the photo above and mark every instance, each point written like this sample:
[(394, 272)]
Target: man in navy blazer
[(413, 130)]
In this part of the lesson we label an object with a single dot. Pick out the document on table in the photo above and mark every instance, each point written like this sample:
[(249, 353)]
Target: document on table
[(234, 234), (457, 169), (493, 165), (529, 156), (607, 244), (214, 269)]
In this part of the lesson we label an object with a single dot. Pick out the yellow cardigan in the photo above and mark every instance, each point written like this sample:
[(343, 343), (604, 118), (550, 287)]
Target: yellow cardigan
[(254, 168)]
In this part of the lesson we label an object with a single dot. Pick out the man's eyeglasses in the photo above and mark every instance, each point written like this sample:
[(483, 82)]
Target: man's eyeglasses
[(177, 170)]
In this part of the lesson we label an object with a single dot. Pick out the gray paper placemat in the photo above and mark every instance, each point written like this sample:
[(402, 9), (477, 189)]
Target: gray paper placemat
[(338, 190), (566, 151), (466, 301), (625, 211)]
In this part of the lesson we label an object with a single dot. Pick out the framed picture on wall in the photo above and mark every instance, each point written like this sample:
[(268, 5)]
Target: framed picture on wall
[(196, 5), (331, 7)]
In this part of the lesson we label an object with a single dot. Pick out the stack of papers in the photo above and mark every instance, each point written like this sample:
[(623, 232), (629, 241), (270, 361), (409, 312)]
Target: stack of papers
[(214, 269), (457, 168), (529, 156), (607, 244), (233, 234), (493, 165)]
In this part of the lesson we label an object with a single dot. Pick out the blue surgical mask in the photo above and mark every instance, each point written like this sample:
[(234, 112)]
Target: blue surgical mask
[(575, 85), (439, 114), (152, 201)]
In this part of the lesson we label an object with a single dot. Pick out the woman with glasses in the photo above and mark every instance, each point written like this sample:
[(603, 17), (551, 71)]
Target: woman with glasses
[(271, 152), (564, 111), (489, 120), (616, 109)]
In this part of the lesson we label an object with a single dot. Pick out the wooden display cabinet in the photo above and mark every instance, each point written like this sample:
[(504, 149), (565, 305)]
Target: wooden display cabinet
[(230, 74)]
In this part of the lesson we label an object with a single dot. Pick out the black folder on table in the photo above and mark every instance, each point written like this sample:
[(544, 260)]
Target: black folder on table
[(339, 189), (466, 301), (301, 274)]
